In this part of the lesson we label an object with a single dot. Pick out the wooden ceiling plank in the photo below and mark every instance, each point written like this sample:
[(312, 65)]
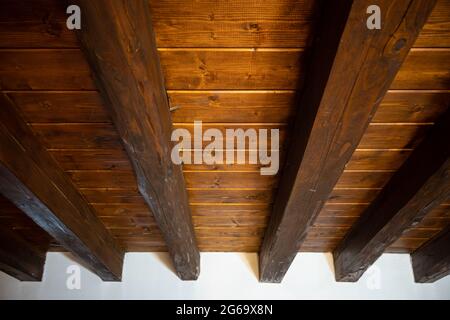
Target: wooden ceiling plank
[(431, 261), (420, 185), (119, 43), (337, 114), (19, 258), (34, 182)]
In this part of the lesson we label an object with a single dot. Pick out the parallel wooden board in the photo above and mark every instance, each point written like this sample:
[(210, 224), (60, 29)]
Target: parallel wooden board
[(34, 182), (412, 106), (198, 24), (206, 69), (424, 69), (35, 24), (42, 69), (239, 62), (237, 23), (232, 106), (199, 69), (436, 32), (104, 136), (258, 106)]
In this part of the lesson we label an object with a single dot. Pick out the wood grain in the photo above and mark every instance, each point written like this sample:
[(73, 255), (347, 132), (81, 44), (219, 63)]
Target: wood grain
[(126, 67), (436, 32), (232, 106), (335, 114), (58, 207), (255, 106), (218, 69), (424, 69), (412, 106), (35, 24), (209, 23), (366, 159), (61, 107), (419, 185), (96, 136), (393, 136), (44, 70)]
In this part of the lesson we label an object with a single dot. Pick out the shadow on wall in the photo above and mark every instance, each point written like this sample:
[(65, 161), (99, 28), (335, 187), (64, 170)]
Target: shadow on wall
[(251, 262)]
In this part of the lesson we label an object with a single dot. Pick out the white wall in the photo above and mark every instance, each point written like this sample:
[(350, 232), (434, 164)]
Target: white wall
[(227, 276)]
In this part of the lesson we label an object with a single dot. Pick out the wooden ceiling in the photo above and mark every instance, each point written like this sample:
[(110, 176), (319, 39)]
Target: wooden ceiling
[(230, 64)]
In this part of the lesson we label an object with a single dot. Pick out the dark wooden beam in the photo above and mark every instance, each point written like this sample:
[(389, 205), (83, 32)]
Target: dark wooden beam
[(119, 42), (33, 181), (20, 258), (352, 67), (421, 184), (431, 261)]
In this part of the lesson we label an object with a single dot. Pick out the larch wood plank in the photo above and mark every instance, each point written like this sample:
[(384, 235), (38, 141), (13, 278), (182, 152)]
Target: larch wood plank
[(363, 179), (110, 195), (222, 106), (425, 69), (184, 69), (229, 180), (127, 210), (230, 210), (103, 179), (343, 210), (104, 136), (61, 107), (42, 69), (412, 106), (436, 32), (231, 221), (405, 245), (35, 24), (237, 232), (363, 159), (404, 106), (209, 23), (393, 136), (232, 106), (230, 196), (352, 195), (220, 69), (96, 136), (107, 159)]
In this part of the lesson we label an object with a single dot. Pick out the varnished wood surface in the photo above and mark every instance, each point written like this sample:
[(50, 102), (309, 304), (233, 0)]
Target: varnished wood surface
[(334, 116), (237, 23), (33, 181), (127, 71), (256, 106), (205, 23), (54, 101), (417, 187), (41, 24)]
